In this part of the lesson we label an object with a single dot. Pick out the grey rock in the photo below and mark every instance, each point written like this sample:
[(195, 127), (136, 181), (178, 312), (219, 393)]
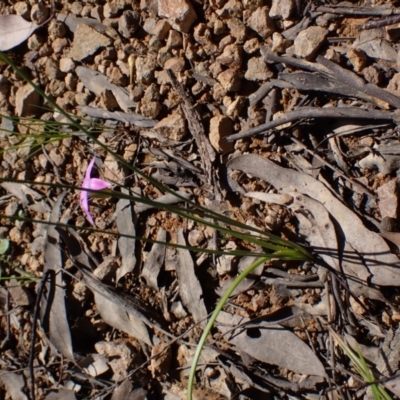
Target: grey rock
[(231, 80), (39, 13), (86, 42), (308, 42), (26, 101), (232, 9), (179, 13), (252, 4), (149, 25), (174, 39), (161, 29), (145, 68), (71, 81), (35, 42), (251, 46), (149, 5), (282, 9), (59, 44), (373, 75), (237, 29), (128, 23), (76, 8), (57, 29), (357, 58), (111, 9), (257, 70), (66, 64), (388, 199), (373, 44), (52, 70), (174, 127), (261, 22), (97, 13), (175, 64), (22, 8), (236, 107), (394, 84), (163, 55), (220, 127), (73, 22), (279, 43), (56, 156), (231, 56)]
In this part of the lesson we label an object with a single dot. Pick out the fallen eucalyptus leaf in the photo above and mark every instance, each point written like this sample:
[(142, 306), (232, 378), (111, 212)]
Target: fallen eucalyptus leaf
[(14, 384), (126, 245), (374, 251), (59, 330), (155, 260), (98, 83), (274, 198), (189, 286), (321, 233), (14, 30), (116, 311), (272, 344)]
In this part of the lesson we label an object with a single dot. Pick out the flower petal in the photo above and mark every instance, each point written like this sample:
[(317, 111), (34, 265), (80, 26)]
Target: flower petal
[(85, 205), (98, 184), (89, 169)]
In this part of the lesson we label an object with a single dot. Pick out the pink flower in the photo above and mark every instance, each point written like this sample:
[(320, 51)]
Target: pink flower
[(93, 184)]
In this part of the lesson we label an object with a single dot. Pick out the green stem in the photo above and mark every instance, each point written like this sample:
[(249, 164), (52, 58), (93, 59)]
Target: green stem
[(214, 316)]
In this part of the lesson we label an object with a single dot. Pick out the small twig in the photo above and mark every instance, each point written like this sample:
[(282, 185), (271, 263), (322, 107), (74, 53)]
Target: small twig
[(34, 323), (292, 277), (272, 101), (330, 321), (379, 23), (260, 93), (353, 80), (311, 112), (294, 284), (196, 128), (359, 11)]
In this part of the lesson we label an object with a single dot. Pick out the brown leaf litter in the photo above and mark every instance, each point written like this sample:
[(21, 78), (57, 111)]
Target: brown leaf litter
[(282, 115)]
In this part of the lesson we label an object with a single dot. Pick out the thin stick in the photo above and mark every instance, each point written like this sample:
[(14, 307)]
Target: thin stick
[(310, 112), (34, 323), (379, 23), (359, 11)]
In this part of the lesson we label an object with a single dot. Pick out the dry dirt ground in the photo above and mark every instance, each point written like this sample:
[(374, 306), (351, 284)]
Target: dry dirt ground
[(280, 114)]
